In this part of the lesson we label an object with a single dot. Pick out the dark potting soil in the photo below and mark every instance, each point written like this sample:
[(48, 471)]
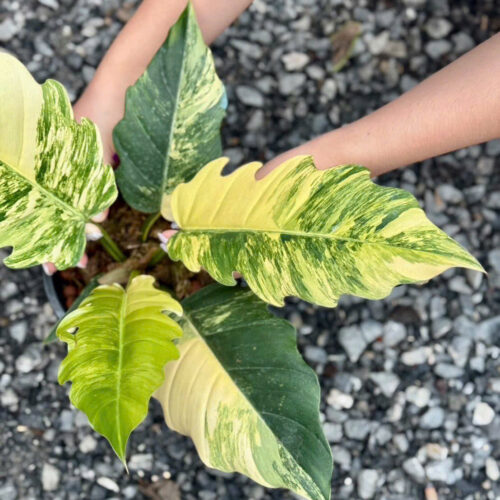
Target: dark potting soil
[(124, 225)]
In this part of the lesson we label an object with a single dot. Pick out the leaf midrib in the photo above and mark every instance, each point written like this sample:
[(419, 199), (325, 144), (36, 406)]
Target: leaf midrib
[(121, 329), (174, 115), (287, 232), (39, 187), (198, 335)]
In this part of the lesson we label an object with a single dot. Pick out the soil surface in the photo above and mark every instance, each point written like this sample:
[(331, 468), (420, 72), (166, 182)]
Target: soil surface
[(125, 227)]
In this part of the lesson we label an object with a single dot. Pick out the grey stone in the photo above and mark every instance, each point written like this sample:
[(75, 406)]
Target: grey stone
[(357, 428), (460, 349), (8, 492), (438, 48), (438, 27), (9, 399), (367, 483), (339, 400), (440, 327), (250, 96), (315, 354), (18, 331), (414, 357), (394, 333), (67, 421), (108, 484), (450, 194), (291, 83), (483, 414), (295, 61), (371, 330), (415, 470), (88, 444), (8, 290), (387, 382), (433, 418), (341, 456), (51, 477), (30, 359), (494, 259), (448, 371), (353, 341), (462, 42), (377, 44), (493, 148), (419, 396), (8, 29), (52, 4), (333, 432), (141, 461), (249, 49), (492, 470), (441, 471)]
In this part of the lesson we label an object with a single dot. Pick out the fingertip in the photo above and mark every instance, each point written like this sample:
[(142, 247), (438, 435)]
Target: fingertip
[(101, 217), (48, 268), (82, 264)]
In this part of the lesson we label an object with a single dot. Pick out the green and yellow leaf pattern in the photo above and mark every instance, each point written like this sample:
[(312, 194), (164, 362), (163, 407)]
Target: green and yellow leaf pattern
[(116, 357), (173, 114), (241, 390), (314, 234), (52, 179)]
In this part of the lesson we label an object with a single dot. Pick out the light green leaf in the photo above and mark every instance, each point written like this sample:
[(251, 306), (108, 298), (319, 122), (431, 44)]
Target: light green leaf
[(92, 285), (241, 390), (116, 357), (315, 234), (52, 179), (172, 118)]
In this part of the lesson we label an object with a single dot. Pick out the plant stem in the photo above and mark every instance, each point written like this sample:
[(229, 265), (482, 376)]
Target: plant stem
[(157, 257), (148, 225), (110, 246)]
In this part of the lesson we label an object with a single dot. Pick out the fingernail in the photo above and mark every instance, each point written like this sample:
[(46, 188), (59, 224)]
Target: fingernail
[(92, 232), (101, 217), (163, 246), (83, 262), (47, 269), (163, 239), (174, 225)]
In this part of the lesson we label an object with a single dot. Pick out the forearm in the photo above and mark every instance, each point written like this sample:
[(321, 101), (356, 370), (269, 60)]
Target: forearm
[(457, 107)]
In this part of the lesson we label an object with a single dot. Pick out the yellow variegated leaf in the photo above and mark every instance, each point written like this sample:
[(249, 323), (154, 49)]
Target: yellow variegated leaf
[(315, 234), (242, 392), (52, 179), (116, 357)]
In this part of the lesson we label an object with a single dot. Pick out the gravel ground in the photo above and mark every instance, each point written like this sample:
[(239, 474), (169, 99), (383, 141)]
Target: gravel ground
[(411, 384)]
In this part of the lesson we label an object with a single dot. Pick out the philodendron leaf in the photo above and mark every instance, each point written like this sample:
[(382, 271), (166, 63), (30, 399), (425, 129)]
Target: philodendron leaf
[(243, 393), (116, 357), (173, 114), (52, 179), (315, 234)]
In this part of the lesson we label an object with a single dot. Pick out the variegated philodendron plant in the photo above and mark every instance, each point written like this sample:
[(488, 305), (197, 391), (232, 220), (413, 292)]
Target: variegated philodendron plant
[(226, 371)]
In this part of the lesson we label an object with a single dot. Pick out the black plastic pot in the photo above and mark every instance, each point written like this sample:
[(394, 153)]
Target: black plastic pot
[(49, 286)]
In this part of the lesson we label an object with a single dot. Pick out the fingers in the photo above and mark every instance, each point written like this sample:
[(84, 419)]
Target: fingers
[(49, 269), (164, 237), (101, 217)]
